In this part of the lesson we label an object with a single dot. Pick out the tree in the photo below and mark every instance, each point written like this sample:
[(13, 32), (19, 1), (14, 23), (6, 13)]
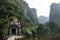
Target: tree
[(42, 30), (52, 25), (8, 10)]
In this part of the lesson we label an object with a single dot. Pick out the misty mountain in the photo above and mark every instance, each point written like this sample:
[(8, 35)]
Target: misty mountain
[(43, 19), (55, 13)]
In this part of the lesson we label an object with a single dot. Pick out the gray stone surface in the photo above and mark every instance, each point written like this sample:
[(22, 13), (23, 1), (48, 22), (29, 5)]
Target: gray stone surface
[(13, 37), (30, 12), (55, 13)]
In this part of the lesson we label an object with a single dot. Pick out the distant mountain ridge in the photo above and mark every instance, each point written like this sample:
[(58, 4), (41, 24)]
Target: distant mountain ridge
[(43, 19)]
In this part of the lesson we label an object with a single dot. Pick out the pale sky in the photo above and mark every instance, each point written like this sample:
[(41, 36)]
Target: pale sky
[(42, 6)]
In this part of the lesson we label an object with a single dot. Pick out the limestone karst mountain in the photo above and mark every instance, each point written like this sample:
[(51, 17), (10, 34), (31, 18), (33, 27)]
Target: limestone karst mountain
[(30, 12), (43, 19), (55, 13)]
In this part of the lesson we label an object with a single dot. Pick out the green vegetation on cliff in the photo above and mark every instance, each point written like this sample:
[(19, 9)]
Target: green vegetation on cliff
[(10, 9)]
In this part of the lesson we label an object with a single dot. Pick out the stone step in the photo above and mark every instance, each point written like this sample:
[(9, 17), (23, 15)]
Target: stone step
[(13, 37)]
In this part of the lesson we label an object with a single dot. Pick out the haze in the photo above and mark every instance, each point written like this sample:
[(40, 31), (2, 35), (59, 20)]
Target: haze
[(42, 6)]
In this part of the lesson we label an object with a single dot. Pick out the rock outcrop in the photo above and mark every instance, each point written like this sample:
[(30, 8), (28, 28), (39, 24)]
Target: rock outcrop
[(55, 13), (30, 12)]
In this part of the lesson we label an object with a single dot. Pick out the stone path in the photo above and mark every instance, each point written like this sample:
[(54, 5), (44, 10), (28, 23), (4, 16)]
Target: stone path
[(13, 37)]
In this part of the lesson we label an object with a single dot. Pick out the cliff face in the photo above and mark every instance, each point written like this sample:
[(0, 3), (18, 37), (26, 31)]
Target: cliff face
[(30, 12), (55, 13), (34, 15), (26, 7)]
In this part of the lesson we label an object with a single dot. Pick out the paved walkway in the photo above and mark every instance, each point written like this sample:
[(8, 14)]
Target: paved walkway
[(13, 37)]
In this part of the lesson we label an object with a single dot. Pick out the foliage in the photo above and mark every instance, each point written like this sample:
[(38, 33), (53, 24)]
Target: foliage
[(42, 30), (10, 9), (29, 30), (52, 25)]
